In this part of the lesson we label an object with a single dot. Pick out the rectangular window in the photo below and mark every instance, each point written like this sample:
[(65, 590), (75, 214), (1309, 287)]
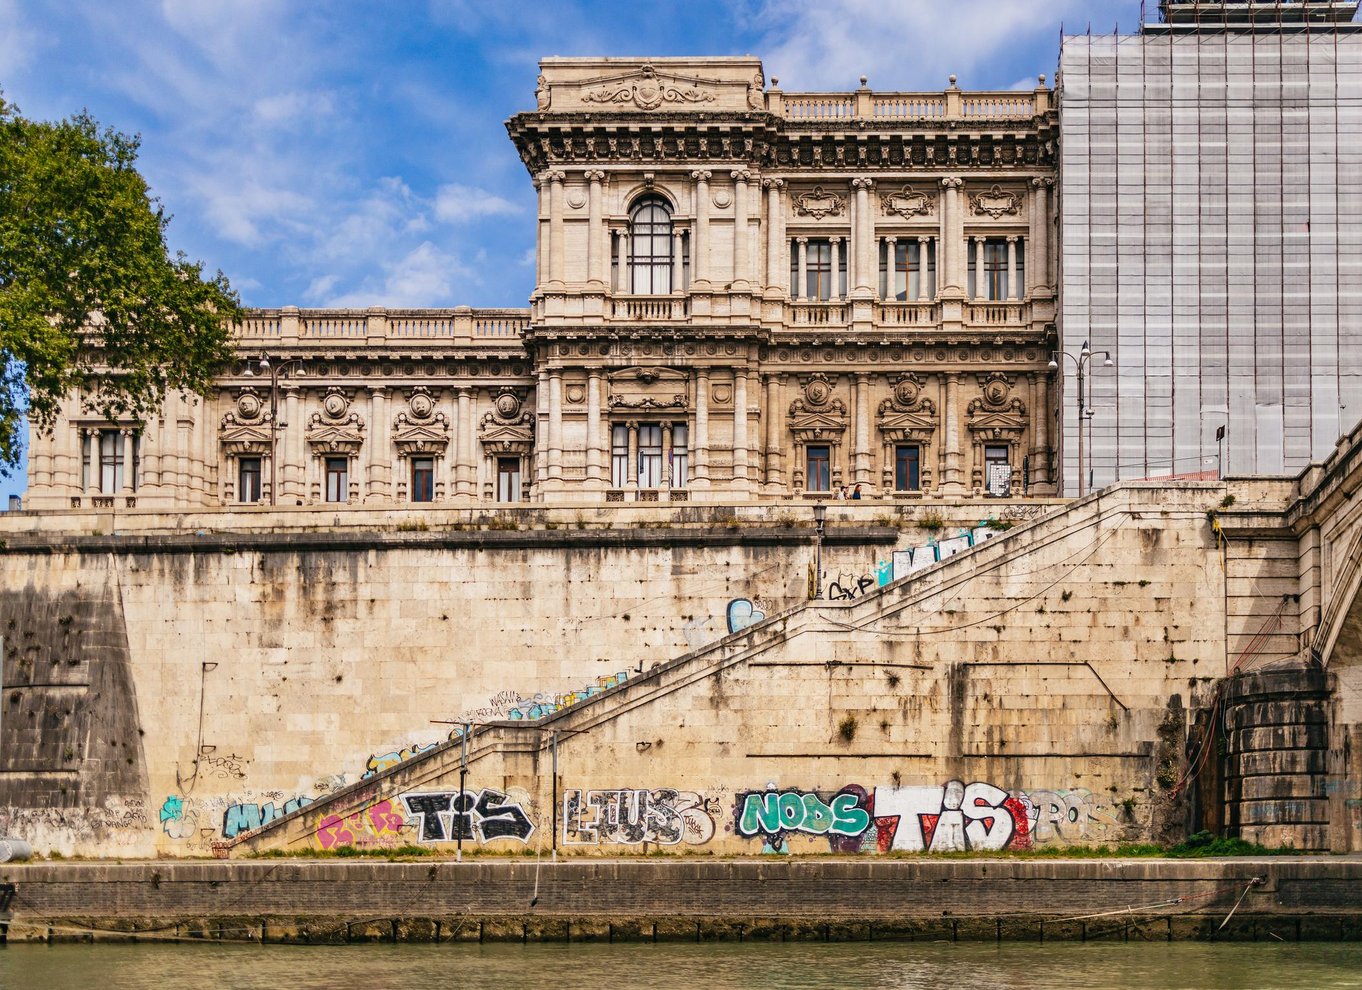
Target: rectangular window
[(680, 455), (906, 464), (819, 473), (913, 275), (110, 461), (649, 455), (820, 282), (423, 479), (997, 471), (508, 479), (337, 479), (619, 456), (988, 276), (248, 479)]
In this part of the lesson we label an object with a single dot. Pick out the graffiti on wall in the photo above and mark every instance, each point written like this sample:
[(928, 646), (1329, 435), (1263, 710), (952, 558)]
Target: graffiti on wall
[(469, 815), (743, 612), (542, 705), (376, 826), (952, 817), (774, 815), (631, 817), (240, 818), (379, 763)]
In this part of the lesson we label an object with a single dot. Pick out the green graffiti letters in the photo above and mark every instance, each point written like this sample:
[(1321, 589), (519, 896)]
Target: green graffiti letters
[(772, 812)]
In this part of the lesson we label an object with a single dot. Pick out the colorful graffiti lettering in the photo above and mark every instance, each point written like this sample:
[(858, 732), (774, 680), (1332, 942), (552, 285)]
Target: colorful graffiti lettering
[(177, 821), (773, 815), (482, 816), (542, 705), (371, 827), (1070, 816), (240, 818), (630, 817), (952, 818), (742, 612), (377, 764)]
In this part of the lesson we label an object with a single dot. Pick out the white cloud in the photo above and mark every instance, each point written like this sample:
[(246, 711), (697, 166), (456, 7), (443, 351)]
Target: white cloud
[(913, 44), (320, 288), (19, 43), (292, 108), (425, 276), (456, 203)]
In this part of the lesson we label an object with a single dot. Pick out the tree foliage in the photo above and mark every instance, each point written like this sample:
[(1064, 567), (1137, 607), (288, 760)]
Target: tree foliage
[(91, 301)]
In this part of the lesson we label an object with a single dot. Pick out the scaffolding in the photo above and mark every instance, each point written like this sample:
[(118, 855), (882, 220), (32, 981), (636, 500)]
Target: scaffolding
[(1211, 239)]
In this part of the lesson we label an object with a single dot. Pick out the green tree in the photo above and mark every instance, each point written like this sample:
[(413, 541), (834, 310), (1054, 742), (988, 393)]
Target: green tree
[(90, 297)]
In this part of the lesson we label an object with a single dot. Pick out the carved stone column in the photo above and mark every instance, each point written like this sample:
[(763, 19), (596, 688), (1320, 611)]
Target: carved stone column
[(556, 426), (775, 473), (556, 245), (594, 232), (891, 274), (740, 428), (678, 259), (742, 236), (775, 215), (953, 477), (380, 452), (290, 445), (623, 284), (631, 468), (699, 263), (861, 455), (1013, 289), (835, 291), (800, 289), (666, 479), (950, 255), (701, 428), (863, 237), (593, 429), (1040, 460), (1040, 225), (463, 469), (126, 437), (541, 446), (924, 253)]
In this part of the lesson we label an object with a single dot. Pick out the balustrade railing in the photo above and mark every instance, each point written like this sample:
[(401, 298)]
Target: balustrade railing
[(950, 104), (997, 314), (817, 314), (453, 325), (648, 308), (906, 314)]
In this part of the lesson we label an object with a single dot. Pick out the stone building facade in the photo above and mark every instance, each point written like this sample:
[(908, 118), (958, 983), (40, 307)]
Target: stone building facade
[(741, 293)]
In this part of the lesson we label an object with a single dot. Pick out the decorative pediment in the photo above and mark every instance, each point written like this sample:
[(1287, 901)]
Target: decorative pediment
[(812, 427), (908, 203), (420, 428), (335, 429), (246, 429), (648, 388), (507, 438), (1000, 426), (648, 89), (995, 203), (819, 204)]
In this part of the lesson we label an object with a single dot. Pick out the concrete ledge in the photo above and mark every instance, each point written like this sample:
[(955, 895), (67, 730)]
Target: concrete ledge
[(334, 900)]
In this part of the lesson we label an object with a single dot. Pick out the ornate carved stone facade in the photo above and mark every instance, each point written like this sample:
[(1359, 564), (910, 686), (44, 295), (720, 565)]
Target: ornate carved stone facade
[(741, 293)]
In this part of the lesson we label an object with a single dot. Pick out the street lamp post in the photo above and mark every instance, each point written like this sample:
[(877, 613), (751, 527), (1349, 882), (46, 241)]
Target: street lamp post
[(263, 364), (1080, 361), (820, 515)]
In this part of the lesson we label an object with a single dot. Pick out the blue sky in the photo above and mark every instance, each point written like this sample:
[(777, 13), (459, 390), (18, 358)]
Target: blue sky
[(354, 153)]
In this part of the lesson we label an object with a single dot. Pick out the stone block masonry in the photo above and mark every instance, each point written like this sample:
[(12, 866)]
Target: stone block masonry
[(311, 901)]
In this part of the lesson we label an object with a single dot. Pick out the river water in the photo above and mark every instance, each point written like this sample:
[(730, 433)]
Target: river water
[(712, 966)]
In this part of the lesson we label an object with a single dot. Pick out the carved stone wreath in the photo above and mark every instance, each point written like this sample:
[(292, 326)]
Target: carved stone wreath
[(335, 429), (907, 203), (420, 428), (819, 204), (995, 203)]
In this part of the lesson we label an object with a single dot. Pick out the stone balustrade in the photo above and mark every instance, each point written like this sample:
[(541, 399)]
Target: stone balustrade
[(950, 104), (374, 325)]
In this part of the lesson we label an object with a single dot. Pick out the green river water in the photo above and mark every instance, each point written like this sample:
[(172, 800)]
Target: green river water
[(711, 966)]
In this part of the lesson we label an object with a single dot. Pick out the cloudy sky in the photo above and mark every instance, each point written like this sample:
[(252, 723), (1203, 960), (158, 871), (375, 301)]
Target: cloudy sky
[(353, 153)]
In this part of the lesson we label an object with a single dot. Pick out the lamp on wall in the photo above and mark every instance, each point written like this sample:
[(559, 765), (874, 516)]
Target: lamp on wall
[(263, 364), (820, 515), (1085, 412)]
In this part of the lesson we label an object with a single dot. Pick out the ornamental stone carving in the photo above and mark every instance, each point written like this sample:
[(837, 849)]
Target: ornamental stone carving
[(819, 204), (907, 415), (817, 414), (543, 93), (509, 427), (420, 428), (648, 388), (995, 203), (335, 429), (907, 203), (647, 90), (996, 413), (245, 429)]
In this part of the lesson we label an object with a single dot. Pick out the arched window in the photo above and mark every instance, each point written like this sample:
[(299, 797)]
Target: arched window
[(650, 247)]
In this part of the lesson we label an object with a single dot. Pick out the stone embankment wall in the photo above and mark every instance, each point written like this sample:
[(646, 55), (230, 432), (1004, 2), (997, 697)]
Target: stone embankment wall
[(1032, 692), (171, 680), (1281, 899)]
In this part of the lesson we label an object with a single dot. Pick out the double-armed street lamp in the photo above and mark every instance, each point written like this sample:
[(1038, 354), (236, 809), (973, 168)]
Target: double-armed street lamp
[(820, 515), (1080, 361), (263, 365)]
